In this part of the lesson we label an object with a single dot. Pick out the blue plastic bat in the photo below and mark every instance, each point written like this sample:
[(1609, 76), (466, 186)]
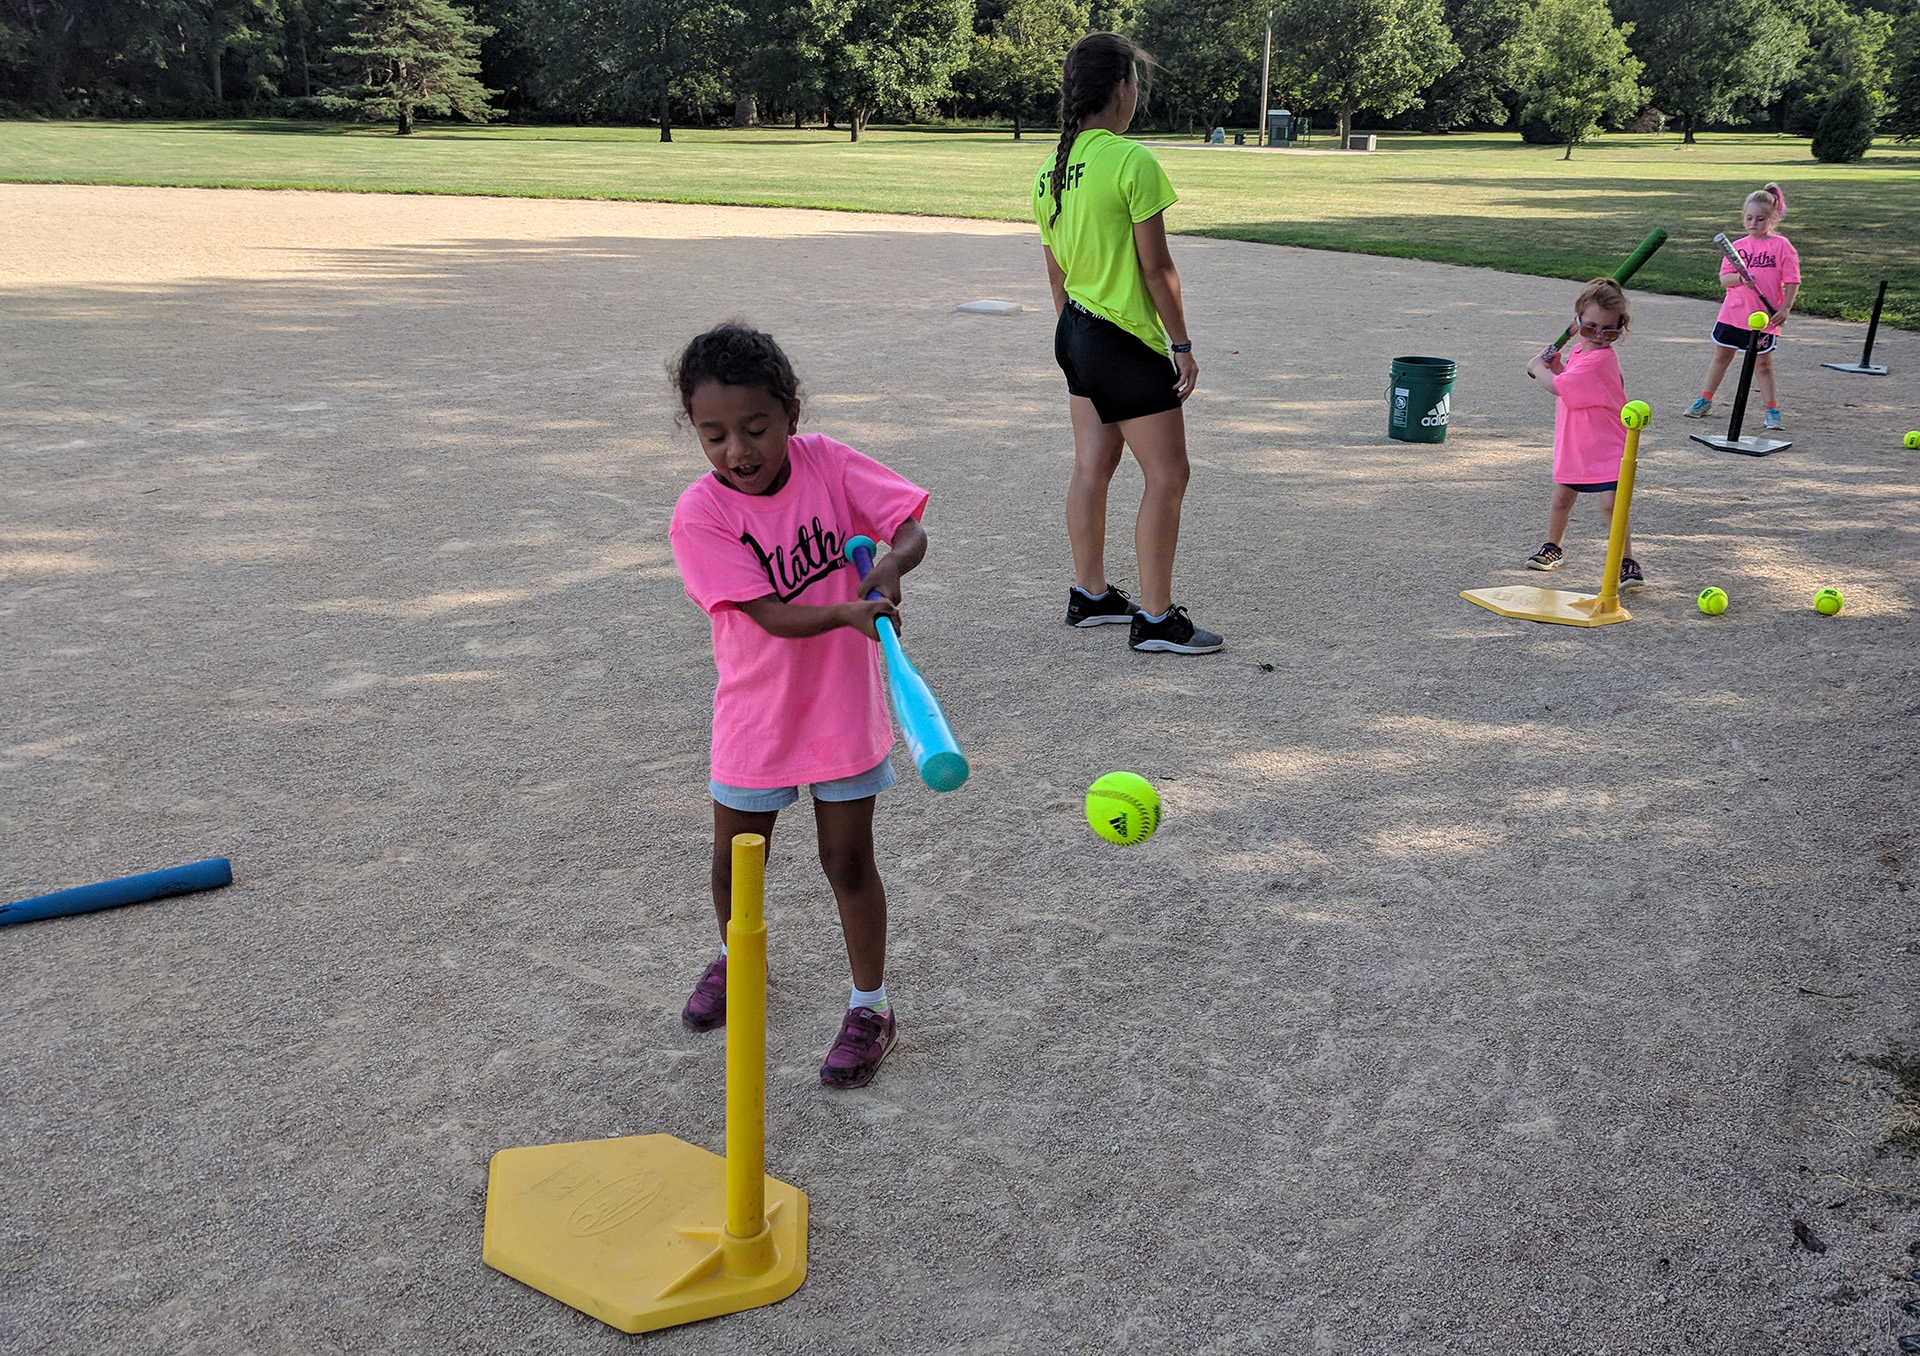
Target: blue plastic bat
[(929, 741), (211, 874)]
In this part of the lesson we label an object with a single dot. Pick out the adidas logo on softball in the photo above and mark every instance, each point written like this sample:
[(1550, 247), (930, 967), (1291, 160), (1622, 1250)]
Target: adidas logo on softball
[(1439, 414), (1119, 823)]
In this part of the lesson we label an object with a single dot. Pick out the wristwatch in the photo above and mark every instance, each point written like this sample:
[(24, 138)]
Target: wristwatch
[(1184, 348)]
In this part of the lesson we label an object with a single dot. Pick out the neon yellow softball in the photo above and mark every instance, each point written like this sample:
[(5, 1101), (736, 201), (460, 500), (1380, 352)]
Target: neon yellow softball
[(1123, 808)]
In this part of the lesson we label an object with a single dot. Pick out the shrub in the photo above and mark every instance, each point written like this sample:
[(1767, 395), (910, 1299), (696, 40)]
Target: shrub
[(1846, 128)]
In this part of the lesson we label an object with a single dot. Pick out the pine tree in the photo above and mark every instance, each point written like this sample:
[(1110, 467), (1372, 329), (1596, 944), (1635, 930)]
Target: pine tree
[(1846, 129), (412, 56)]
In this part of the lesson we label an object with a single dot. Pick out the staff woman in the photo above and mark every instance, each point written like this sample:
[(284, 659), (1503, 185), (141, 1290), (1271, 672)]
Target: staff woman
[(1121, 340)]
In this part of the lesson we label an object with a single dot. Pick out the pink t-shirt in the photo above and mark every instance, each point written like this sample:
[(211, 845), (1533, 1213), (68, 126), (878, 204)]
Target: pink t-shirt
[(791, 712), (1775, 265), (1588, 438)]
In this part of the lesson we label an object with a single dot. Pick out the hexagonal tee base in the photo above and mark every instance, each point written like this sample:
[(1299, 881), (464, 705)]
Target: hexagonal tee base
[(633, 1231)]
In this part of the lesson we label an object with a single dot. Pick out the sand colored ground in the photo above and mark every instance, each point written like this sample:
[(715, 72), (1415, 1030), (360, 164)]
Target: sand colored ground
[(1491, 988)]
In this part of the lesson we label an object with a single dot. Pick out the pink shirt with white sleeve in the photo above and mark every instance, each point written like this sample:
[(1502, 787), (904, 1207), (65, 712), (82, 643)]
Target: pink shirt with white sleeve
[(1588, 438), (788, 712)]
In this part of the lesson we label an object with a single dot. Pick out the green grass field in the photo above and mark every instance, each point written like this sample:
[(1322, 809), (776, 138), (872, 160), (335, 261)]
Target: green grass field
[(1483, 200)]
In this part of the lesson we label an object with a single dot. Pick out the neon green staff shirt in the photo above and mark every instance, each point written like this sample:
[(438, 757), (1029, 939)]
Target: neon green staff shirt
[(1112, 184)]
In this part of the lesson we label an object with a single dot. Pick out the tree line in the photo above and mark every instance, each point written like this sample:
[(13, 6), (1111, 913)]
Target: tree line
[(1558, 70)]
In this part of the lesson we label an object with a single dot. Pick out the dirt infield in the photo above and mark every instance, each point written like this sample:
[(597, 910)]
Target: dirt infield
[(1491, 988)]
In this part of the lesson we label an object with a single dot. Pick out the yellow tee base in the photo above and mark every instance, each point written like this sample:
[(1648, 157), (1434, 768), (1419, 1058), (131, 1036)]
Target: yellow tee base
[(1549, 605), (633, 1231)]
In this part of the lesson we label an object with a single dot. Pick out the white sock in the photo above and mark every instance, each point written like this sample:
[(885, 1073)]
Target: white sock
[(1092, 597), (1150, 617), (723, 948), (868, 998)]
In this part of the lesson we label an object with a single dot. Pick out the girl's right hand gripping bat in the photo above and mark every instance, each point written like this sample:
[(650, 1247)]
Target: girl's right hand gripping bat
[(929, 741)]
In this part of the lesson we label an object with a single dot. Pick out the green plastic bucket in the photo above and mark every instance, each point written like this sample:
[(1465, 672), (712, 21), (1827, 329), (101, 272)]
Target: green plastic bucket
[(1420, 399)]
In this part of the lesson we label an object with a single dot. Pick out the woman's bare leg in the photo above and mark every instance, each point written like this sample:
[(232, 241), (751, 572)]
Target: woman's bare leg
[(1159, 443), (1096, 456)]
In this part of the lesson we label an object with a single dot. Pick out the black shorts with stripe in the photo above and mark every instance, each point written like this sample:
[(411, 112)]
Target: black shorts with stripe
[(1123, 377), (1732, 336)]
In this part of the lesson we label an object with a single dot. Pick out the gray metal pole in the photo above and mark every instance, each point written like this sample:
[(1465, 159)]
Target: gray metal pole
[(1266, 69)]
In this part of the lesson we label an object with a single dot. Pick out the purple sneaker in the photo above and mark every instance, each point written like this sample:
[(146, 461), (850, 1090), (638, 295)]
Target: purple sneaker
[(865, 1037), (707, 1008)]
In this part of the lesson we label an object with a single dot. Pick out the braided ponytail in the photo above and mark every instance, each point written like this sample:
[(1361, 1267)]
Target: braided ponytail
[(1095, 66)]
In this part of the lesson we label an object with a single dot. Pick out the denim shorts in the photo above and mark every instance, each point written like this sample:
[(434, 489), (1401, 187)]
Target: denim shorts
[(765, 800)]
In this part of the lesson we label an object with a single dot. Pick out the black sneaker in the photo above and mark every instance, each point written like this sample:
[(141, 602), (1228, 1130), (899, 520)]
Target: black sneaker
[(1630, 576), (1548, 557), (1111, 606), (1172, 634)]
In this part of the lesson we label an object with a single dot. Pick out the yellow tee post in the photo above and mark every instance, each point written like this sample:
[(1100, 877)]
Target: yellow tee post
[(648, 1231), (1531, 603), (749, 1242), (1607, 605), (1623, 500)]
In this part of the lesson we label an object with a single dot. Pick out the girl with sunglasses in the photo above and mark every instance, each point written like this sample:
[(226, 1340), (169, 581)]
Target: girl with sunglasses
[(1588, 439)]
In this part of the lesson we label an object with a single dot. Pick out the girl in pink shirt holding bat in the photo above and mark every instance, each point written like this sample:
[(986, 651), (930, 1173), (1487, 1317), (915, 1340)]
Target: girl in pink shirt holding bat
[(760, 543), (1773, 263), (1588, 439)]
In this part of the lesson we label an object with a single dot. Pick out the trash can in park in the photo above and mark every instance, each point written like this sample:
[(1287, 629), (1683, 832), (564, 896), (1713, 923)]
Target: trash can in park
[(1420, 399)]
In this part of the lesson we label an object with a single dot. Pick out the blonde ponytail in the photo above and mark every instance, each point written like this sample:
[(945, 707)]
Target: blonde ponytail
[(1772, 197)]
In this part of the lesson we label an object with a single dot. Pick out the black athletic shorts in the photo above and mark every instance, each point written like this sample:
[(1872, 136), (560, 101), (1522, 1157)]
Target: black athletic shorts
[(1598, 487), (1732, 336), (1116, 371)]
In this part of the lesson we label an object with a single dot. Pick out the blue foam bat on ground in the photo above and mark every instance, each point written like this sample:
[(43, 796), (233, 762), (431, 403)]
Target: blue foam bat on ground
[(211, 874)]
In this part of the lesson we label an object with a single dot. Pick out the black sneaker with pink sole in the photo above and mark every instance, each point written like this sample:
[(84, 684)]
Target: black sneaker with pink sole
[(864, 1039)]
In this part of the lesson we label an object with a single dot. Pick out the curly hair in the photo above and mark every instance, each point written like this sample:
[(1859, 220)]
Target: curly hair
[(1609, 295), (1095, 66), (734, 354)]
